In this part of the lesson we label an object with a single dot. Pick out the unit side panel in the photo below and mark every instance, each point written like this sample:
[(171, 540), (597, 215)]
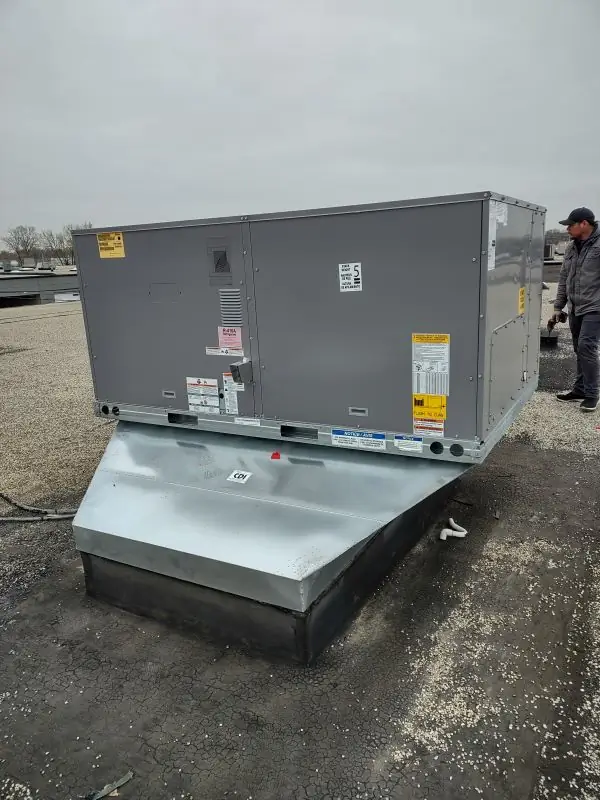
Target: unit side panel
[(330, 351), (152, 313), (506, 265)]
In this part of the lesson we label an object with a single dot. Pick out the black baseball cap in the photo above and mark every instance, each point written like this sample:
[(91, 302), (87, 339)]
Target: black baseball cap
[(582, 214)]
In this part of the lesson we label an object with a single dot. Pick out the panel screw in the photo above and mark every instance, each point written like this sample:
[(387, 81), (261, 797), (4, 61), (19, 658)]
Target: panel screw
[(245, 252), (473, 259), (255, 269), (481, 316), (470, 377)]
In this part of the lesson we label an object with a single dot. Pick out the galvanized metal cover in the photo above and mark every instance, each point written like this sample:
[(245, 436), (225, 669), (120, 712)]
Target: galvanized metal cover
[(222, 512)]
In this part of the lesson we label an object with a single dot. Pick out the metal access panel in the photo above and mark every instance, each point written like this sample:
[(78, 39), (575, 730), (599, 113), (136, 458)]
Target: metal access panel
[(408, 328), (152, 309)]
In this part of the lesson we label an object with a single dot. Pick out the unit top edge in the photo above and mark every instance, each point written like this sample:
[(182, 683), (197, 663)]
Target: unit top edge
[(314, 212)]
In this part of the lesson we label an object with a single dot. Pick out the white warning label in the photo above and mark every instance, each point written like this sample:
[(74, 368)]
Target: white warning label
[(498, 216), (198, 386), (224, 351), (230, 390), (492, 232), (203, 395), (199, 408), (428, 427), (361, 440), (431, 363), (351, 277)]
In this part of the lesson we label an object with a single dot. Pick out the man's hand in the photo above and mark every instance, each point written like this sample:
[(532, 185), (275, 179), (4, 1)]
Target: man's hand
[(559, 316)]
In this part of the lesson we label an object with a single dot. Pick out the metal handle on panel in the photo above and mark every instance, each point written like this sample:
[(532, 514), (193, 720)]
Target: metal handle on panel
[(241, 372)]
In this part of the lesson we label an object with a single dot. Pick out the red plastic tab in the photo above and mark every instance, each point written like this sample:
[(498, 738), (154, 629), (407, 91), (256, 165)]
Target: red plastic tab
[(275, 455)]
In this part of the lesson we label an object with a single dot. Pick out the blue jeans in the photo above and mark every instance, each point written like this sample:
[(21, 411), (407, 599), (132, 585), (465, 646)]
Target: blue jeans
[(586, 335)]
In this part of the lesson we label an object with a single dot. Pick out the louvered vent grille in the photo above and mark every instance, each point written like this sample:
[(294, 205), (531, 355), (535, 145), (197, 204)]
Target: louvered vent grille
[(231, 307)]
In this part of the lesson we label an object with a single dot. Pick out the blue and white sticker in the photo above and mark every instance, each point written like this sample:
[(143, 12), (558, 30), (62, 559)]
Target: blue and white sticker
[(361, 440), (409, 444)]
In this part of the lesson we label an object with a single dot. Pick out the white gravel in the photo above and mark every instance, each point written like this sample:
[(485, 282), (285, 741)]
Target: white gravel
[(51, 441), (552, 425)]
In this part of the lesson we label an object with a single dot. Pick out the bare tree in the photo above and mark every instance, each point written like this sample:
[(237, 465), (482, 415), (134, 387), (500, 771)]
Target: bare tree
[(67, 234), (60, 245), (54, 246), (22, 240)]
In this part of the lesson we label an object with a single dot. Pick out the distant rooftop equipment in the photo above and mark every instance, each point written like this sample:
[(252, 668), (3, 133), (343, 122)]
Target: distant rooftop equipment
[(404, 329)]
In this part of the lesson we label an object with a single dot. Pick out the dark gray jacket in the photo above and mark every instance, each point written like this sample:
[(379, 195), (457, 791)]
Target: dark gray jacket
[(579, 280)]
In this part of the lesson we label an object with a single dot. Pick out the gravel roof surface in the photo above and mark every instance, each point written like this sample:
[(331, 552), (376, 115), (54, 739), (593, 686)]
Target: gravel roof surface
[(51, 441), (545, 423), (474, 671)]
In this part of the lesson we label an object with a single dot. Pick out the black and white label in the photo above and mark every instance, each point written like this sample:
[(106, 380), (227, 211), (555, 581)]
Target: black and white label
[(428, 427), (431, 363), (203, 395), (361, 440), (351, 277), (239, 476), (230, 390)]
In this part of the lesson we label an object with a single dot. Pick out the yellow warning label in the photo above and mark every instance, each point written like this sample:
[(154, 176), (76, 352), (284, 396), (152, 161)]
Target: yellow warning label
[(431, 338), (429, 406), (111, 245), (521, 300)]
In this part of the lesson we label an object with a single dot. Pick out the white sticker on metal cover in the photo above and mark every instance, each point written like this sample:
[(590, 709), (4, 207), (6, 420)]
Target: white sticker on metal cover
[(202, 386), (230, 385), (203, 400), (197, 408), (431, 363), (247, 421), (501, 213), (239, 476), (230, 390), (351, 277), (361, 440), (409, 444), (224, 351), (428, 427), (498, 216), (231, 402), (203, 395)]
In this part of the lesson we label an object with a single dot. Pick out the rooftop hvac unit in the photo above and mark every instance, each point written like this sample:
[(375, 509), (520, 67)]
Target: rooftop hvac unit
[(353, 352)]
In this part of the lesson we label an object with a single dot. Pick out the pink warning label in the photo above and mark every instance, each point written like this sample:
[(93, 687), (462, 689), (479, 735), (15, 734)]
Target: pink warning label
[(230, 337)]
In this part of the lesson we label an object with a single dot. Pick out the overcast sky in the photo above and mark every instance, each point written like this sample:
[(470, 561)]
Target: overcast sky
[(124, 111)]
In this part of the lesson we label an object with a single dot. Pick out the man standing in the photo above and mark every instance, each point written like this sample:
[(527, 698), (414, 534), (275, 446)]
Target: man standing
[(579, 285)]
